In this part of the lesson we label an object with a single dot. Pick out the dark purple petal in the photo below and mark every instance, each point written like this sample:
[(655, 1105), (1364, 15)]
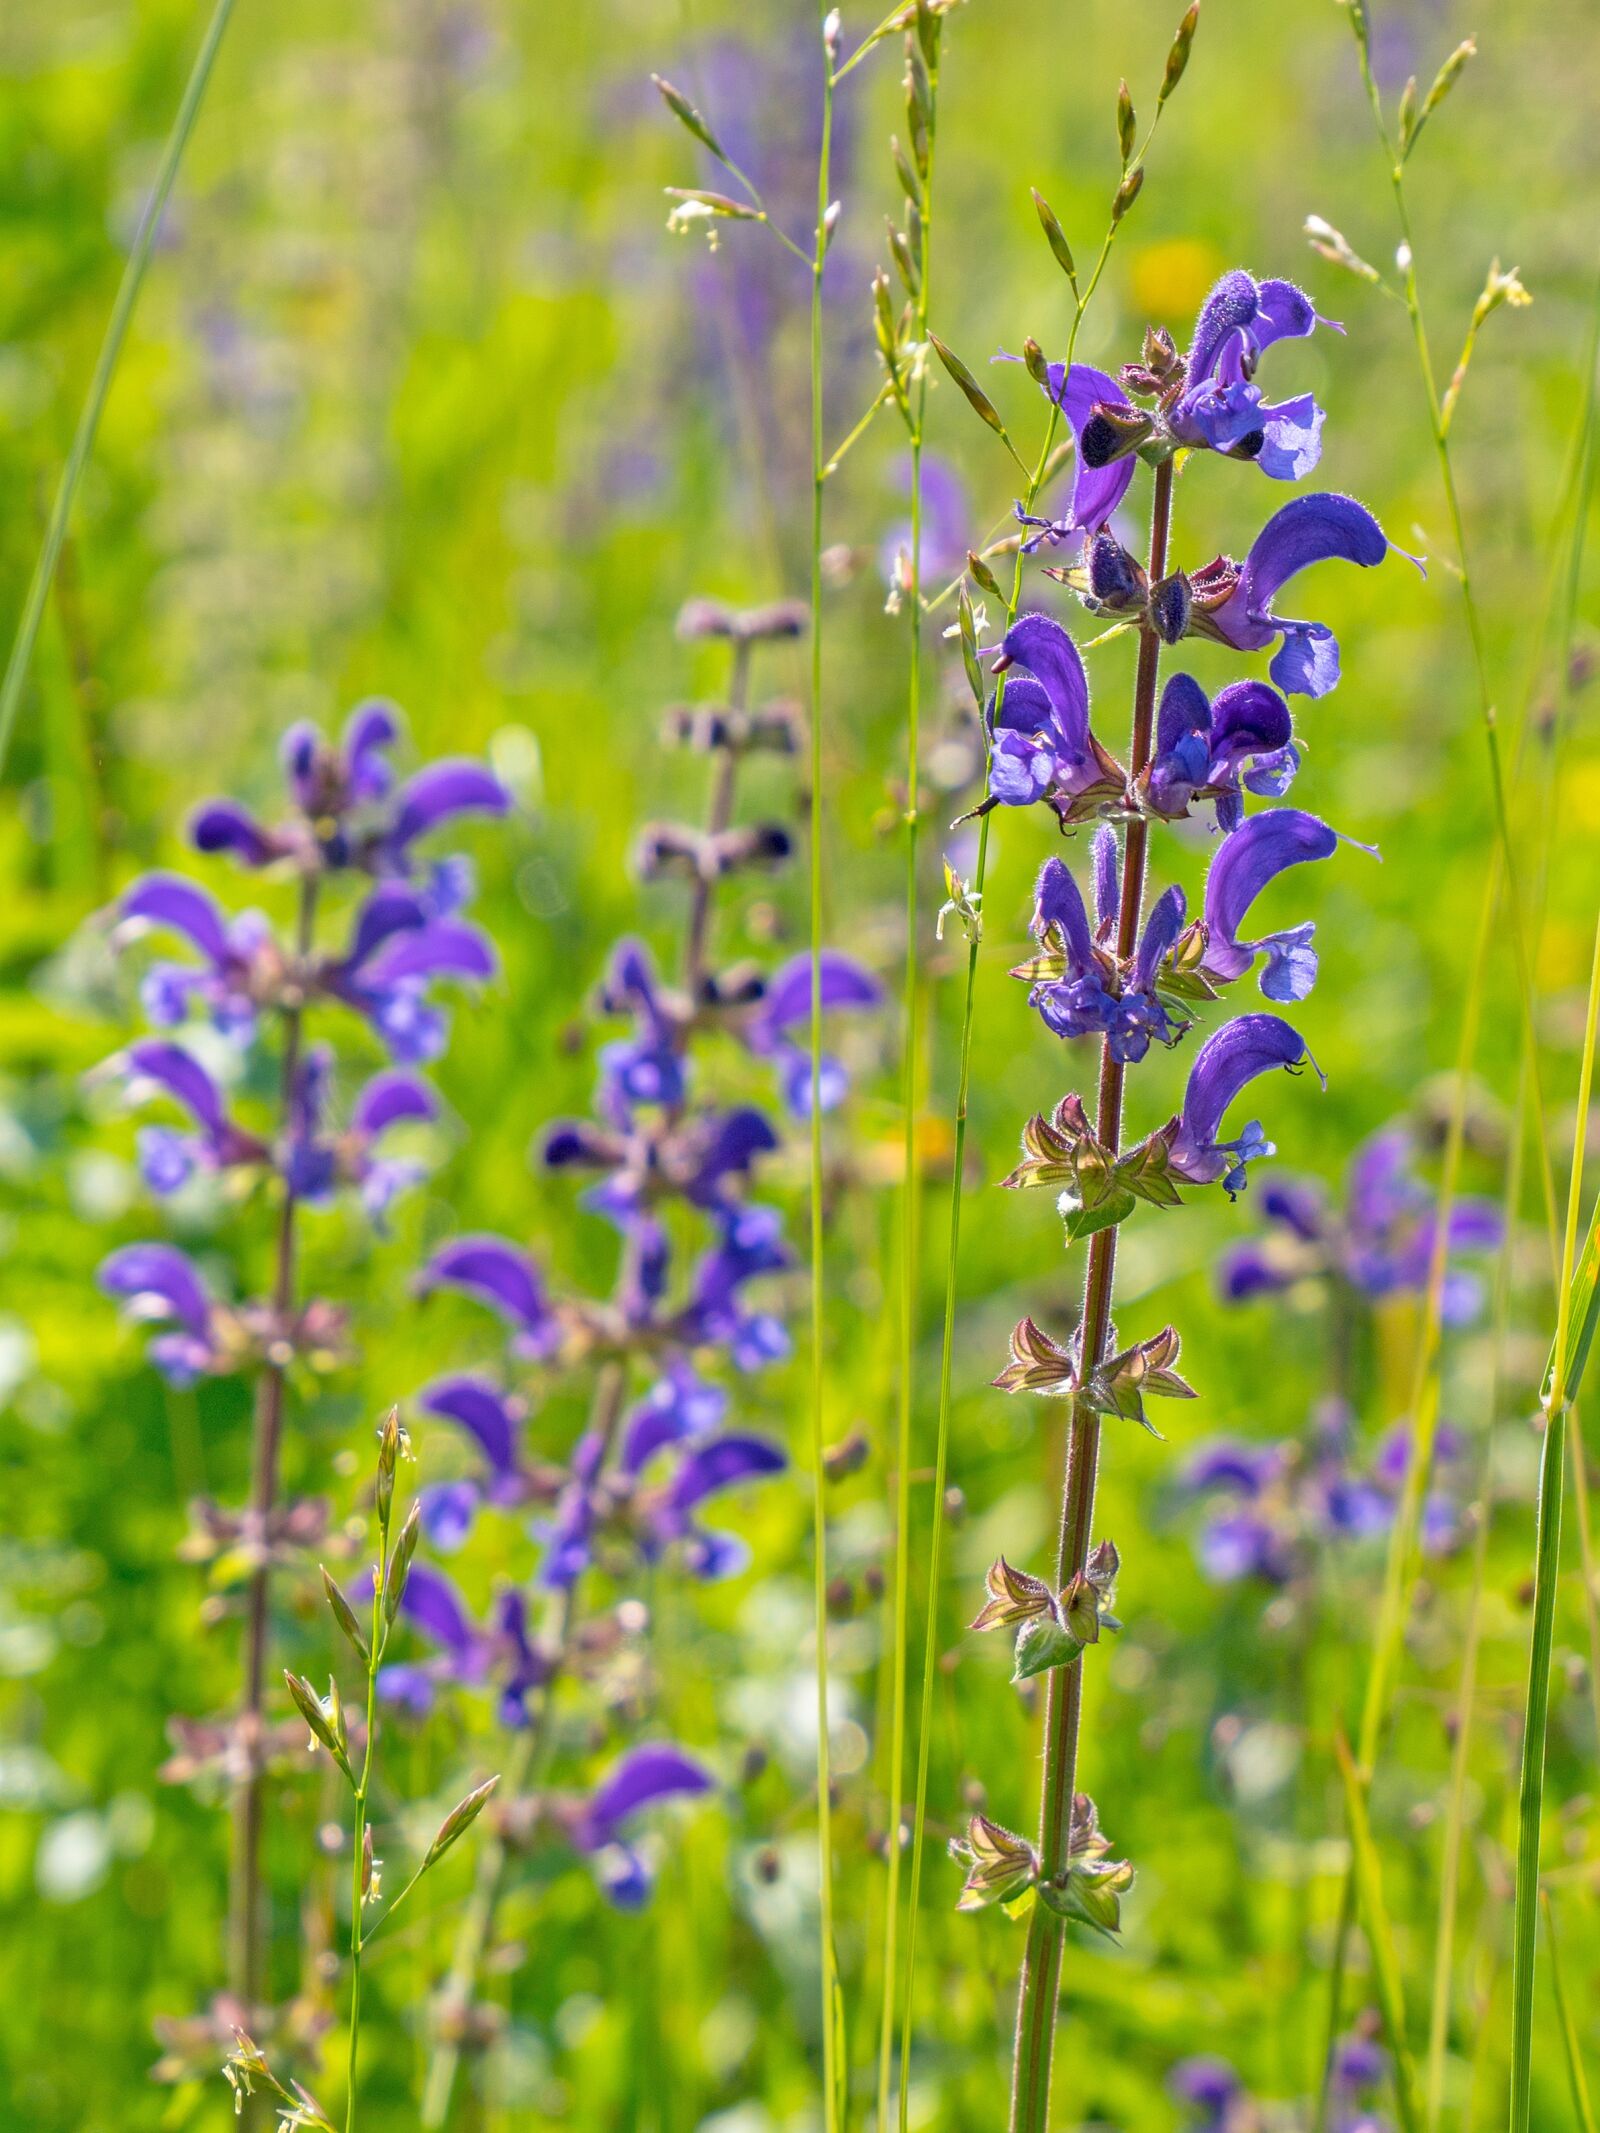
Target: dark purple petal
[(1161, 929), (388, 911), (184, 1079), (787, 999), (1311, 529), (638, 1781), (722, 1464), (1249, 718), (1241, 867), (1226, 317), (370, 729), (390, 1100), (1043, 648), (440, 791), (1096, 491), (169, 900), (225, 826), (445, 947), (493, 1271), (1107, 884), (1058, 902), (482, 1411), (158, 1281), (432, 1603), (1226, 1064)]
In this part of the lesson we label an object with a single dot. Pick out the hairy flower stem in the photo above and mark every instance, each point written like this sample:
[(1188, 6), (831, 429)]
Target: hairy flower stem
[(248, 1951), (832, 2022), (1039, 1994), (910, 1187)]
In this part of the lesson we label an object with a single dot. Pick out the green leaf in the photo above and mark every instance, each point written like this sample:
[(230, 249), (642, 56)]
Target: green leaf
[(1083, 1222), (1041, 1645)]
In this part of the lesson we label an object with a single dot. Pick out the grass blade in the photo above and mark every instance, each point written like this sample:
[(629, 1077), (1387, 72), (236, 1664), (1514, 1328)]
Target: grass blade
[(1576, 2079), (105, 370), (1385, 1963)]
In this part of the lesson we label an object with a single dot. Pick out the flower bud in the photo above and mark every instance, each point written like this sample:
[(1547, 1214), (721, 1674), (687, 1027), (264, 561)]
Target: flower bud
[(459, 1820), (1000, 1864)]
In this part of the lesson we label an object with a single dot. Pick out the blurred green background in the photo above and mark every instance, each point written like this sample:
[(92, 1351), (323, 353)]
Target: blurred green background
[(422, 399)]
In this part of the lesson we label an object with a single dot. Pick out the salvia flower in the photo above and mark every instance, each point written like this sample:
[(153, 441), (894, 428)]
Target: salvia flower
[(1219, 750), (641, 1780), (1219, 407), (778, 1026), (1224, 1067), (1232, 603), (1076, 986), (1043, 748), (1241, 868)]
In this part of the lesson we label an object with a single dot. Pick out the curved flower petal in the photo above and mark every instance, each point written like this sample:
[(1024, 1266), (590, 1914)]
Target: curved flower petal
[(722, 1464), (1161, 929), (1044, 649), (494, 1272), (1311, 529), (386, 912), (1107, 883), (1291, 438), (168, 900), (370, 729), (1058, 902), (636, 1782), (482, 1411), (183, 1078), (442, 948), (453, 787), (432, 1602), (225, 826), (844, 984), (1241, 867), (1225, 1065), (392, 1099), (1096, 491), (158, 1281), (1226, 318)]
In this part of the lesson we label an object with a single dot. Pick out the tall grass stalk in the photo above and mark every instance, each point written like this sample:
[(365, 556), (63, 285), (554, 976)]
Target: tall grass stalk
[(1577, 2080), (833, 2057), (1559, 1392), (911, 1008), (105, 371)]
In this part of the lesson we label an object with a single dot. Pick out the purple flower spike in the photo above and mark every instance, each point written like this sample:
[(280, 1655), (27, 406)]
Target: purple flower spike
[(1243, 865), (496, 1273), (1234, 603), (1226, 1064), (1245, 738), (638, 1781)]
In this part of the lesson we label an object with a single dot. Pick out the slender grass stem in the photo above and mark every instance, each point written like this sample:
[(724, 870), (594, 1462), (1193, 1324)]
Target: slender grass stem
[(1547, 1563), (1577, 2080), (105, 371), (247, 1957), (832, 2012), (360, 1875), (1039, 1995), (911, 1179)]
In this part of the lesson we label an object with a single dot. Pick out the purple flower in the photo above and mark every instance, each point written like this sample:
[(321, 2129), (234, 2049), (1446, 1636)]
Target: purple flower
[(1241, 868), (712, 1465), (750, 1246), (348, 813), (946, 524), (1232, 602), (239, 963), (1381, 1242), (1042, 746), (397, 949), (645, 1068), (505, 1278), (677, 1407), (1207, 750), (492, 1422), (316, 1162), (1100, 474), (1233, 1466), (1225, 1065), (1211, 2090), (157, 1282), (1219, 408), (1077, 1003), (785, 1006), (642, 1779), (167, 1159), (467, 1654)]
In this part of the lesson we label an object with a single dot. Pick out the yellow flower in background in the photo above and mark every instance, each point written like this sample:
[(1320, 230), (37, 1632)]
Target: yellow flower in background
[(1170, 279)]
